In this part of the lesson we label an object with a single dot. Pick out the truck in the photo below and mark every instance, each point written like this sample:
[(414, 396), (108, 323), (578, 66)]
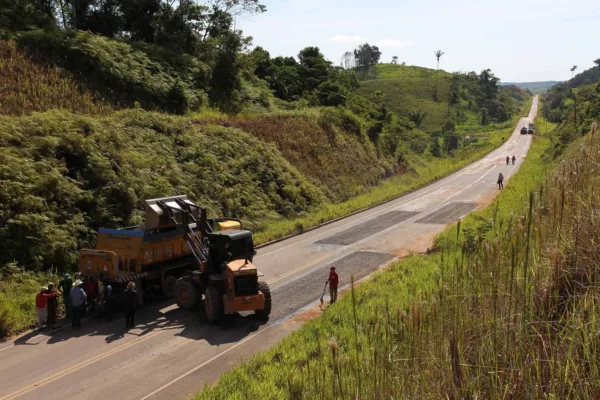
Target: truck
[(180, 253), (531, 129)]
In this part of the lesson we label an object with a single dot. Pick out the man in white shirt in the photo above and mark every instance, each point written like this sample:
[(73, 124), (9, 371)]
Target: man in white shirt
[(78, 297)]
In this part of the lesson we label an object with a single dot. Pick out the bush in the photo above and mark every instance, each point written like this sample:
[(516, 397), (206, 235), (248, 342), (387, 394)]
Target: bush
[(117, 70)]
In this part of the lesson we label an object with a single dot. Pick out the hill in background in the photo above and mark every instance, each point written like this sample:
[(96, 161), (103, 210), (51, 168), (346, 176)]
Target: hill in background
[(443, 98), (533, 87)]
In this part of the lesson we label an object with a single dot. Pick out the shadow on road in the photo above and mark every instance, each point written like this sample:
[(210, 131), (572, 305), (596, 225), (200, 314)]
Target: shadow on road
[(153, 316)]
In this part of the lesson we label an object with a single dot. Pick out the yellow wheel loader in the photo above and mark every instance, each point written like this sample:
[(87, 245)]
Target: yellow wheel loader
[(178, 252)]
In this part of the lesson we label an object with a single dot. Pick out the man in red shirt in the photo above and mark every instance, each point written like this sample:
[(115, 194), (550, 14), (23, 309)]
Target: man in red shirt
[(333, 285), (40, 305)]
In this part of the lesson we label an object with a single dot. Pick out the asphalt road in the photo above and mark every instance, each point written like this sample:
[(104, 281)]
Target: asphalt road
[(172, 353)]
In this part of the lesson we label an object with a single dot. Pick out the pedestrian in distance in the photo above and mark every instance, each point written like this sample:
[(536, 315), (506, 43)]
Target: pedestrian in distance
[(40, 306), (514, 159), (333, 285), (130, 302), (51, 306), (64, 287), (108, 302), (507, 160), (500, 181), (78, 298)]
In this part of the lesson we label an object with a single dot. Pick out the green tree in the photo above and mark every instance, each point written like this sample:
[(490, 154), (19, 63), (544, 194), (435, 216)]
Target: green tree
[(23, 15), (331, 94), (367, 55), (395, 60), (226, 81), (484, 116), (314, 68), (438, 55), (417, 117)]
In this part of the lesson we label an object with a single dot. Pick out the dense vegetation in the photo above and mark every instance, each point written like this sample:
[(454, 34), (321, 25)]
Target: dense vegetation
[(505, 307), (575, 105)]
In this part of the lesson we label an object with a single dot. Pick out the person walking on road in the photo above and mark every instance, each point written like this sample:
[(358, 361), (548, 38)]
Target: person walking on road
[(78, 297), (333, 285), (40, 306), (507, 160), (64, 287), (51, 305), (500, 181), (130, 302), (514, 159)]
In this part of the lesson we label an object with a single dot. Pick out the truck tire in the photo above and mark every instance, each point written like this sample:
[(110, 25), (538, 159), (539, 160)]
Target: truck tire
[(266, 291), (213, 304), (187, 293), (168, 286)]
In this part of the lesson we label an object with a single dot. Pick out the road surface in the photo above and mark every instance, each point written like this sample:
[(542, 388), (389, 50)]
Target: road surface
[(172, 353)]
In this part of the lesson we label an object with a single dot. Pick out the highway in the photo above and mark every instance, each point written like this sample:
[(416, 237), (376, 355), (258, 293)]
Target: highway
[(172, 353)]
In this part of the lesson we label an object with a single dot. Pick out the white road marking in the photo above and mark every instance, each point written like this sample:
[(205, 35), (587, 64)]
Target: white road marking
[(206, 363), (9, 347)]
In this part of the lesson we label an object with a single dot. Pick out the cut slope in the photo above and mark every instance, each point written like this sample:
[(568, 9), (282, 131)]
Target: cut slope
[(342, 164), (62, 176), (26, 86)]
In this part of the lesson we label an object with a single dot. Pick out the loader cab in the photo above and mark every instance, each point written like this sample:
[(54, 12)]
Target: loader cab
[(230, 245)]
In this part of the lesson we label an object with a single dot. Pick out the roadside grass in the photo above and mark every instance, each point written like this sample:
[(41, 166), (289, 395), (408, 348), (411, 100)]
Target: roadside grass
[(17, 299), (505, 308)]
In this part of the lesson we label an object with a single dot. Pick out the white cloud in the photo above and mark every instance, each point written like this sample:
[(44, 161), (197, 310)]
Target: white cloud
[(394, 43), (345, 39)]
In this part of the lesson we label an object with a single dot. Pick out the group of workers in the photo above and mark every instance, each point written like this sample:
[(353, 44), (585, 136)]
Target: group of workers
[(80, 297)]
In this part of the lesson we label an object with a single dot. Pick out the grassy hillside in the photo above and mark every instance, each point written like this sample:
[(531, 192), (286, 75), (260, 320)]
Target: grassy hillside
[(409, 88), (443, 97), (511, 288)]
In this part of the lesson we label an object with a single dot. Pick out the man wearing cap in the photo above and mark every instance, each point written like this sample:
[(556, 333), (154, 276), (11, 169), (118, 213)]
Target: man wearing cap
[(333, 285), (78, 297), (64, 287)]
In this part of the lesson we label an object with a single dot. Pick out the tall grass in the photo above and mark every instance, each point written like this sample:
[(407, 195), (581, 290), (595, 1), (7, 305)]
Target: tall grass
[(17, 298), (26, 87), (506, 308)]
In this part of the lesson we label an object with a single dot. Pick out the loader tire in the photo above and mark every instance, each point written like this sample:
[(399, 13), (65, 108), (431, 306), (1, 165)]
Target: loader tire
[(213, 304), (187, 293), (168, 286), (263, 287)]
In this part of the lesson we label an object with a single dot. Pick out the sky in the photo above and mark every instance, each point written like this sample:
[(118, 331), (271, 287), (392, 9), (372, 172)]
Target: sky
[(519, 40)]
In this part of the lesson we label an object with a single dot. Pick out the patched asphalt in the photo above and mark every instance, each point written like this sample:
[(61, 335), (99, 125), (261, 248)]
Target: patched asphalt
[(449, 213), (294, 295), (366, 229)]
